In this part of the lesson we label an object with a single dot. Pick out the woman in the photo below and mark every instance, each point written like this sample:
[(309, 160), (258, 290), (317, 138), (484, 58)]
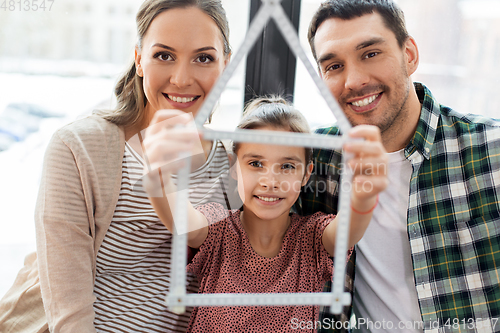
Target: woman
[(103, 254)]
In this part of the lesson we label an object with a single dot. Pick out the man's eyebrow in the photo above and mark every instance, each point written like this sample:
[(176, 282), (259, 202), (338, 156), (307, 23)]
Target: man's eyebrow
[(201, 49), (370, 42), (360, 46), (326, 57)]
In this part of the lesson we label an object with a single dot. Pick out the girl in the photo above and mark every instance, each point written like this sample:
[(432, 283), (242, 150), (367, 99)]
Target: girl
[(103, 255), (262, 247)]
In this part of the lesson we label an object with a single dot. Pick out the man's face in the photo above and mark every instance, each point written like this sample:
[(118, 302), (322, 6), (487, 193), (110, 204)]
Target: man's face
[(366, 70)]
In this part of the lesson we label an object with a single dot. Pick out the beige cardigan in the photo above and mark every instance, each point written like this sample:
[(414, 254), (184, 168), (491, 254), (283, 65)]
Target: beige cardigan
[(79, 190)]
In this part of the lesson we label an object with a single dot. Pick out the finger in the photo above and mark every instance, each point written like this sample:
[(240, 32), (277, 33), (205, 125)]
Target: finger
[(162, 152), (367, 132), (173, 135), (162, 115), (368, 166), (168, 119), (168, 168), (365, 148), (162, 147), (366, 186)]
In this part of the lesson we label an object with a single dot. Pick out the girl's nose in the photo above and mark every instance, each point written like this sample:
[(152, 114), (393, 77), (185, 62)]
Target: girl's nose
[(269, 181)]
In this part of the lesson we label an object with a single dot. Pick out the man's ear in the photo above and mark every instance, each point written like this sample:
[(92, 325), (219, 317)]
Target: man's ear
[(411, 55), (308, 173), (137, 57)]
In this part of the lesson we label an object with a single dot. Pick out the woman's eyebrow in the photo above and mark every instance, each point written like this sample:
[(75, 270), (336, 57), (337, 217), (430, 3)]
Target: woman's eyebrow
[(163, 46), (201, 49)]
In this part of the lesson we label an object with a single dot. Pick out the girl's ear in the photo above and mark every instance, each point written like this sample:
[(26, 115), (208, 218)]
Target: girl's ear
[(308, 173), (232, 166)]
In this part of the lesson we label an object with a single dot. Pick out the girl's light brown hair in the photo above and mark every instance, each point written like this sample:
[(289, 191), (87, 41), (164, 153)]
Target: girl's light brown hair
[(129, 92), (274, 111)]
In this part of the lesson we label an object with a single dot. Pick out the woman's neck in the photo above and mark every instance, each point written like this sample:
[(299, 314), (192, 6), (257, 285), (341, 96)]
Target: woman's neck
[(265, 236)]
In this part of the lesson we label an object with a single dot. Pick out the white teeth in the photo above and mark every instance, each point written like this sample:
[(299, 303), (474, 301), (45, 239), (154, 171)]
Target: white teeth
[(181, 99), (365, 101), (268, 199)]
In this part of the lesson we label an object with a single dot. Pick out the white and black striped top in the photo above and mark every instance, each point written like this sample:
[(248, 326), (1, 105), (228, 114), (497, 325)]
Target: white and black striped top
[(133, 263)]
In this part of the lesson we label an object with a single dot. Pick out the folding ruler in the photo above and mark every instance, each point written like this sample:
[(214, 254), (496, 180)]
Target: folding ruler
[(178, 299)]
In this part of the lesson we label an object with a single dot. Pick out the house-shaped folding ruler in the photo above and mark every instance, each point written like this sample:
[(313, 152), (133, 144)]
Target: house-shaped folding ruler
[(178, 299)]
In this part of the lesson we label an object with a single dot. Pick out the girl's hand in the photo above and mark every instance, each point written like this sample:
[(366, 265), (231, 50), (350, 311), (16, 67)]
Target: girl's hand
[(369, 165), (170, 133)]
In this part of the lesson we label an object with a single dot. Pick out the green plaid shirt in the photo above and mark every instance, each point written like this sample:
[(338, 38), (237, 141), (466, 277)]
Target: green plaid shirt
[(453, 216)]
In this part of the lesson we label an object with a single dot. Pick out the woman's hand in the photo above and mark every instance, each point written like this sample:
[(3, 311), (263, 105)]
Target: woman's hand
[(170, 133), (369, 165)]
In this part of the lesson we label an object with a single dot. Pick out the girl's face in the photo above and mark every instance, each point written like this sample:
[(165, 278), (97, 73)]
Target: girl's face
[(270, 177), (182, 56)]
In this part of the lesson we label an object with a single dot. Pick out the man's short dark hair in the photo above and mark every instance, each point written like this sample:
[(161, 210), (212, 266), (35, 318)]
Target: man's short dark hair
[(392, 16)]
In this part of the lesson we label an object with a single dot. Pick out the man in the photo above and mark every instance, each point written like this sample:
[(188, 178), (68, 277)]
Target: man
[(430, 259)]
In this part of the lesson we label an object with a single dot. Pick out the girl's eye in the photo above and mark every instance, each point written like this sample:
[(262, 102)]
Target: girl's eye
[(205, 58), (163, 56), (288, 166), (256, 164)]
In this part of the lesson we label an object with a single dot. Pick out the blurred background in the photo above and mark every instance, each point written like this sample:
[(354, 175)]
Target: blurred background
[(59, 63)]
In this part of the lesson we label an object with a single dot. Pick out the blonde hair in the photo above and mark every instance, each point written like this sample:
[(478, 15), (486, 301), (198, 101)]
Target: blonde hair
[(129, 91), (274, 111)]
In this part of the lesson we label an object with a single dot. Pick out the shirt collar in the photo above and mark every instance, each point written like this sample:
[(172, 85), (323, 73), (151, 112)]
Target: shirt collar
[(424, 136)]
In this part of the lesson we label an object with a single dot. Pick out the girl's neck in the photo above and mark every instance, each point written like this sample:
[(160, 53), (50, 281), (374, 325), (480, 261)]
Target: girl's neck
[(265, 236)]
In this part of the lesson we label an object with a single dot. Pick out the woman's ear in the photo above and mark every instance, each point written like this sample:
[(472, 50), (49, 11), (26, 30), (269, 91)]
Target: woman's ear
[(228, 59), (308, 173), (137, 57)]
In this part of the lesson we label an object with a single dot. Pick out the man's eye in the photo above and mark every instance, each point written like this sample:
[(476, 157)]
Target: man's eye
[(256, 164), (333, 67), (371, 54)]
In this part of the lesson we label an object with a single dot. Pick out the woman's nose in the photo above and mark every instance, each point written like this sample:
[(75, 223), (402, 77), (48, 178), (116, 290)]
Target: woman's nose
[(181, 75)]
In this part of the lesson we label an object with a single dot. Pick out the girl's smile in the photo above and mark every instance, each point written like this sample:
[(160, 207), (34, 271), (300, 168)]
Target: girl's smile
[(270, 178)]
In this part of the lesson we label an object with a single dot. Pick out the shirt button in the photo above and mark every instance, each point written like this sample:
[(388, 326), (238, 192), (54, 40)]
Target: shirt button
[(427, 150)]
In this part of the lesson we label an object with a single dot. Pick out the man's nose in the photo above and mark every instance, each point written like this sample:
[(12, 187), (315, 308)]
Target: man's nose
[(355, 77)]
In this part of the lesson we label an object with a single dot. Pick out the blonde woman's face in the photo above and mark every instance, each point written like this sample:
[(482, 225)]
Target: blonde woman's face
[(182, 56)]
